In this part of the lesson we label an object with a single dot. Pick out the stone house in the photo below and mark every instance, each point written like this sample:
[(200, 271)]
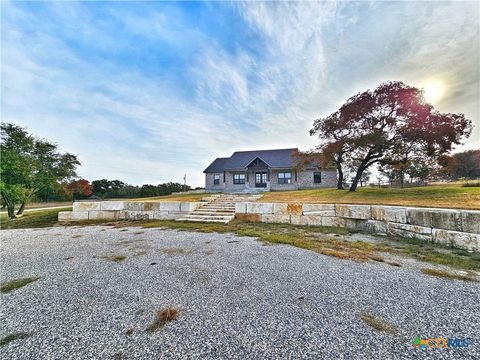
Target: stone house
[(264, 170)]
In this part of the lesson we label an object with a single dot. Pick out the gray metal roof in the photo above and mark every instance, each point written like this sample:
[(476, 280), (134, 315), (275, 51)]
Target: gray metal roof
[(280, 158)]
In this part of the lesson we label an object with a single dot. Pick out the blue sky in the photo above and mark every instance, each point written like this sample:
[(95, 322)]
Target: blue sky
[(147, 91)]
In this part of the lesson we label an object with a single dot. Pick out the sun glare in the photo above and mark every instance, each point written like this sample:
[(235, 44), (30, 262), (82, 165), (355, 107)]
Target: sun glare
[(433, 91)]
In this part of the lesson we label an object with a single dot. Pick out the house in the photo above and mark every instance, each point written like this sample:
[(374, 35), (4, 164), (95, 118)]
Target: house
[(264, 170)]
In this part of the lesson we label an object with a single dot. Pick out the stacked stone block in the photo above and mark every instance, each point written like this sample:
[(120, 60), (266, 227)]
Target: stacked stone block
[(460, 228)]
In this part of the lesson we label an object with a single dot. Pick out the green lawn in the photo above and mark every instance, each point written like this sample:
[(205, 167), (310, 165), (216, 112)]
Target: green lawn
[(173, 197), (32, 219), (441, 196)]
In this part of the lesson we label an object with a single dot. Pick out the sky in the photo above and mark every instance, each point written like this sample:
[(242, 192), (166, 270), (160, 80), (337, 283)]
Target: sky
[(146, 92)]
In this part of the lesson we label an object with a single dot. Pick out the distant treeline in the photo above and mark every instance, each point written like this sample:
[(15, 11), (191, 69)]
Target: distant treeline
[(106, 189), (117, 189)]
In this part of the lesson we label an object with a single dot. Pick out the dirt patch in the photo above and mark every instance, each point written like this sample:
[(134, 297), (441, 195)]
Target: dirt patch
[(175, 251), (249, 217), (115, 258), (163, 317), (377, 323)]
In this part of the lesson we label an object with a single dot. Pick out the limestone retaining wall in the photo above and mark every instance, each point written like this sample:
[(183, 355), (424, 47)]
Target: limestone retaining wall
[(460, 228), (127, 210)]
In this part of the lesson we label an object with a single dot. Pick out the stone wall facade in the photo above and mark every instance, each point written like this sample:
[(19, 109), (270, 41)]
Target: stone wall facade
[(459, 228), (300, 180), (127, 210)]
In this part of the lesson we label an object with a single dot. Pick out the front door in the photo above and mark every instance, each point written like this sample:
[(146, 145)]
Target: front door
[(261, 179)]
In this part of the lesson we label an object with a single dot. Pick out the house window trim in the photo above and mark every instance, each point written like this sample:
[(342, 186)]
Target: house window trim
[(216, 179), (284, 180), (319, 175), (239, 181)]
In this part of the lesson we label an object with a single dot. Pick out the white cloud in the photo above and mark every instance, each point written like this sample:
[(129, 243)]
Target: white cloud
[(128, 125)]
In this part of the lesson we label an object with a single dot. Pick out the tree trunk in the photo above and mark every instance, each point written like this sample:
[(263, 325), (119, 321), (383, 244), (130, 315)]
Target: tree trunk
[(20, 210), (10, 209), (338, 162), (340, 177), (357, 178)]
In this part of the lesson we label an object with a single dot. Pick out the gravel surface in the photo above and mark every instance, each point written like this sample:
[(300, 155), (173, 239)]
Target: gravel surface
[(239, 299)]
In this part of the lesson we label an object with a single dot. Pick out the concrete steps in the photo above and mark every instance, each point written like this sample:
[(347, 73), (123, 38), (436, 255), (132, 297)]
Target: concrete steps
[(219, 208)]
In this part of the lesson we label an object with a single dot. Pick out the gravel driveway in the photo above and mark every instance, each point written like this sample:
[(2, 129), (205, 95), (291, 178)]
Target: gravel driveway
[(239, 299)]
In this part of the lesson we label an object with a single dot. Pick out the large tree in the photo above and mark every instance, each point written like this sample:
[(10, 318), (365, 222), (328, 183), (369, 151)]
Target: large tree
[(388, 125), (334, 135), (28, 165), (467, 164)]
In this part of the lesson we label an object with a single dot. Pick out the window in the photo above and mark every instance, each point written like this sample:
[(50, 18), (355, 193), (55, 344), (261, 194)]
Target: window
[(216, 179), (317, 177), (239, 178), (285, 178)]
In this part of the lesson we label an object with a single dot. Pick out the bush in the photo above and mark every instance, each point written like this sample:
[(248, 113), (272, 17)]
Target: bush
[(471, 183)]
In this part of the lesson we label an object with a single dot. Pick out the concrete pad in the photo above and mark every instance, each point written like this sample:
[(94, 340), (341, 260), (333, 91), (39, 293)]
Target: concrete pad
[(86, 205), (112, 205), (259, 208), (459, 239), (170, 206), (241, 207), (353, 211), (395, 214), (276, 218), (471, 221), (436, 218)]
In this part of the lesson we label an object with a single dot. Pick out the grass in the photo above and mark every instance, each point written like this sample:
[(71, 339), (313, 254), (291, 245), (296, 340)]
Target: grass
[(377, 323), (41, 205), (162, 317), (322, 240), (32, 219), (173, 197), (12, 337), (447, 274), (318, 239), (439, 196), (11, 285), (115, 258), (432, 253)]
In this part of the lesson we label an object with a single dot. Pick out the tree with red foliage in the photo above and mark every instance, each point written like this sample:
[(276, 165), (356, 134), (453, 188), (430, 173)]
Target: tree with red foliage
[(391, 124), (80, 188)]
